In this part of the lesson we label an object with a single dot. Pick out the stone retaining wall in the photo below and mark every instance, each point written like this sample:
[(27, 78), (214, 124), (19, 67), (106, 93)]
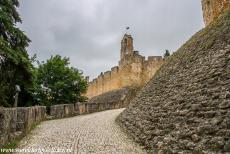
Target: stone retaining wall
[(14, 123), (27, 116), (7, 124), (84, 108), (17, 122), (185, 108), (62, 110), (80, 108), (108, 101), (111, 100)]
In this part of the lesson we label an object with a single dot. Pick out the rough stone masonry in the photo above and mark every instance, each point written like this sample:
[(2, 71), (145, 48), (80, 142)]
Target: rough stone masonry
[(185, 108), (213, 8)]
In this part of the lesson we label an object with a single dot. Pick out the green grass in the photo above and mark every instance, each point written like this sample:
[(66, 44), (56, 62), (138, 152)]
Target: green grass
[(33, 126), (12, 145)]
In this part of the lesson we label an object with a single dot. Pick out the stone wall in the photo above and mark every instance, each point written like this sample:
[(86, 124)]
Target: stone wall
[(114, 99), (62, 111), (133, 70), (27, 116), (213, 9), (151, 66), (16, 123), (8, 122), (185, 108)]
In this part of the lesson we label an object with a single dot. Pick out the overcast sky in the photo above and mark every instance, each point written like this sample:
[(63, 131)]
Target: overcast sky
[(89, 32)]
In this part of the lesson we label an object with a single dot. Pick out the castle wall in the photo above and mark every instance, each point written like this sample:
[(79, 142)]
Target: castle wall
[(89, 90), (94, 87), (115, 78), (105, 82), (100, 84), (133, 70), (151, 66), (107, 78), (213, 8)]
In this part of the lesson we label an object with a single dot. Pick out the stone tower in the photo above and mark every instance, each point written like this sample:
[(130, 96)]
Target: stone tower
[(213, 8), (132, 70), (126, 46)]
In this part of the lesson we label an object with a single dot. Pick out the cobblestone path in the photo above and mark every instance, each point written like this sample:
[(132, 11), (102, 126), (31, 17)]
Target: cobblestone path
[(93, 133)]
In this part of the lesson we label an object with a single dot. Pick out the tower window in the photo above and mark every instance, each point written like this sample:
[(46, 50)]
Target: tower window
[(125, 44)]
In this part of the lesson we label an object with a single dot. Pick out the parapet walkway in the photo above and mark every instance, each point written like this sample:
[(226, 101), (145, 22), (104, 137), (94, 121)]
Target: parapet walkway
[(93, 133)]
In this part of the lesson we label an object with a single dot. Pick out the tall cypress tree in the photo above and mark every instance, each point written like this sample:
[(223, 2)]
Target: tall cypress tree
[(167, 54), (15, 65)]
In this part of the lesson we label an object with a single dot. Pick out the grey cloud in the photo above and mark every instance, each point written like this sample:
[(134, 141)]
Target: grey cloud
[(90, 31)]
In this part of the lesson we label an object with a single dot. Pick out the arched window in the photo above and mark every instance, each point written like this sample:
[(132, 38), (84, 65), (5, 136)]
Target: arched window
[(125, 44)]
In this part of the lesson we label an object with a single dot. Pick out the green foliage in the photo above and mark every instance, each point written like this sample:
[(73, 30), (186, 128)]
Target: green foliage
[(15, 66), (57, 83), (167, 54)]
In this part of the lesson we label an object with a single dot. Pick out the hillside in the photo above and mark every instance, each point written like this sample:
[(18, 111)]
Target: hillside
[(186, 106)]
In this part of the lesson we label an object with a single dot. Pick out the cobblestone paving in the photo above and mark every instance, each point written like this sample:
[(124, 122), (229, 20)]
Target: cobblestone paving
[(93, 133)]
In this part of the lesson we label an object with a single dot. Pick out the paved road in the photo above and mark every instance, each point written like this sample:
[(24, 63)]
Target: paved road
[(93, 133)]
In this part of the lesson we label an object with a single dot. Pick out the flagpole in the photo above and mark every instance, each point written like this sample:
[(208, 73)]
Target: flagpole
[(127, 30)]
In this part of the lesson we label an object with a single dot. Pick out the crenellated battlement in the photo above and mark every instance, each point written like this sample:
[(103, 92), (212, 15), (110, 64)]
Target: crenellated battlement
[(133, 70), (107, 74), (154, 58), (114, 70)]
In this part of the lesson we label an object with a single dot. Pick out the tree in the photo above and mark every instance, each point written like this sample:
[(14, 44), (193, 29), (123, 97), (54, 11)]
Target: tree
[(167, 54), (57, 83), (15, 65)]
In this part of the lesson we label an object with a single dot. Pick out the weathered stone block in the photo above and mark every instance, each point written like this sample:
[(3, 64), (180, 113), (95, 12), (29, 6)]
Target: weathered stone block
[(57, 111), (26, 116), (7, 124), (69, 110), (82, 108), (63, 110)]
